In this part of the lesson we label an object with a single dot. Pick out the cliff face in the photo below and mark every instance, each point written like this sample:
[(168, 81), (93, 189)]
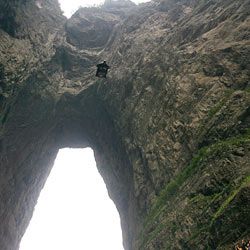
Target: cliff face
[(169, 126)]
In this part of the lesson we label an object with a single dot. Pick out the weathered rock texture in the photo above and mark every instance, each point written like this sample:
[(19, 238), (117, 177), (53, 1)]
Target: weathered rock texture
[(169, 127)]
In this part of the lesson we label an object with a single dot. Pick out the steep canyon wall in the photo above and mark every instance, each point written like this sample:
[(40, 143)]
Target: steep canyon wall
[(169, 126)]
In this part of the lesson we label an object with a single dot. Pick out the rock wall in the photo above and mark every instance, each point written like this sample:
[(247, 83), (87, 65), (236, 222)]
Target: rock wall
[(169, 126)]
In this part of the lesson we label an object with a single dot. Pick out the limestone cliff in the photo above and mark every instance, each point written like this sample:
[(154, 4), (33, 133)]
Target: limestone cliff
[(169, 126)]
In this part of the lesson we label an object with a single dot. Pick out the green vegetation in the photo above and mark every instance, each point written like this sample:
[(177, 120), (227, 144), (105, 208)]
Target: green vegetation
[(172, 187), (152, 235), (227, 95), (202, 154), (231, 196), (233, 191), (205, 199)]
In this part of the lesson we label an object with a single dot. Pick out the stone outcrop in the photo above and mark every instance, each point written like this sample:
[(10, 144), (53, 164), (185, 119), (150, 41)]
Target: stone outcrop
[(169, 126)]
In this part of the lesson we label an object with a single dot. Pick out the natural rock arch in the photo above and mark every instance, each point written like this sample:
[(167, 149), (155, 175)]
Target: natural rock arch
[(43, 128), (170, 126)]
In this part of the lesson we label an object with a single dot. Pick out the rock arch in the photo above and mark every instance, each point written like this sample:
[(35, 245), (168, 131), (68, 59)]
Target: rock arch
[(37, 128), (170, 126)]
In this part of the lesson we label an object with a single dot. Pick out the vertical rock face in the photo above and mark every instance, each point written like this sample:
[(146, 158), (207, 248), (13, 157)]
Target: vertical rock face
[(169, 126)]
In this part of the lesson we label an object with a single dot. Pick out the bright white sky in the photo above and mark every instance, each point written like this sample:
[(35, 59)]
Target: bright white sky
[(69, 7), (74, 211)]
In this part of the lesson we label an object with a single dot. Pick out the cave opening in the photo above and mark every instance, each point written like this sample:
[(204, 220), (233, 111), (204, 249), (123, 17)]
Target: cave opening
[(74, 210)]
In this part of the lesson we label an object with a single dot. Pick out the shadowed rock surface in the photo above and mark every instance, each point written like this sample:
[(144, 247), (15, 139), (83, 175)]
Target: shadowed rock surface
[(169, 126)]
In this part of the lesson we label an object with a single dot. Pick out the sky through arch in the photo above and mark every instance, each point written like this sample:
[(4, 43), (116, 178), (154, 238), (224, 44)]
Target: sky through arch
[(74, 210), (70, 6)]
